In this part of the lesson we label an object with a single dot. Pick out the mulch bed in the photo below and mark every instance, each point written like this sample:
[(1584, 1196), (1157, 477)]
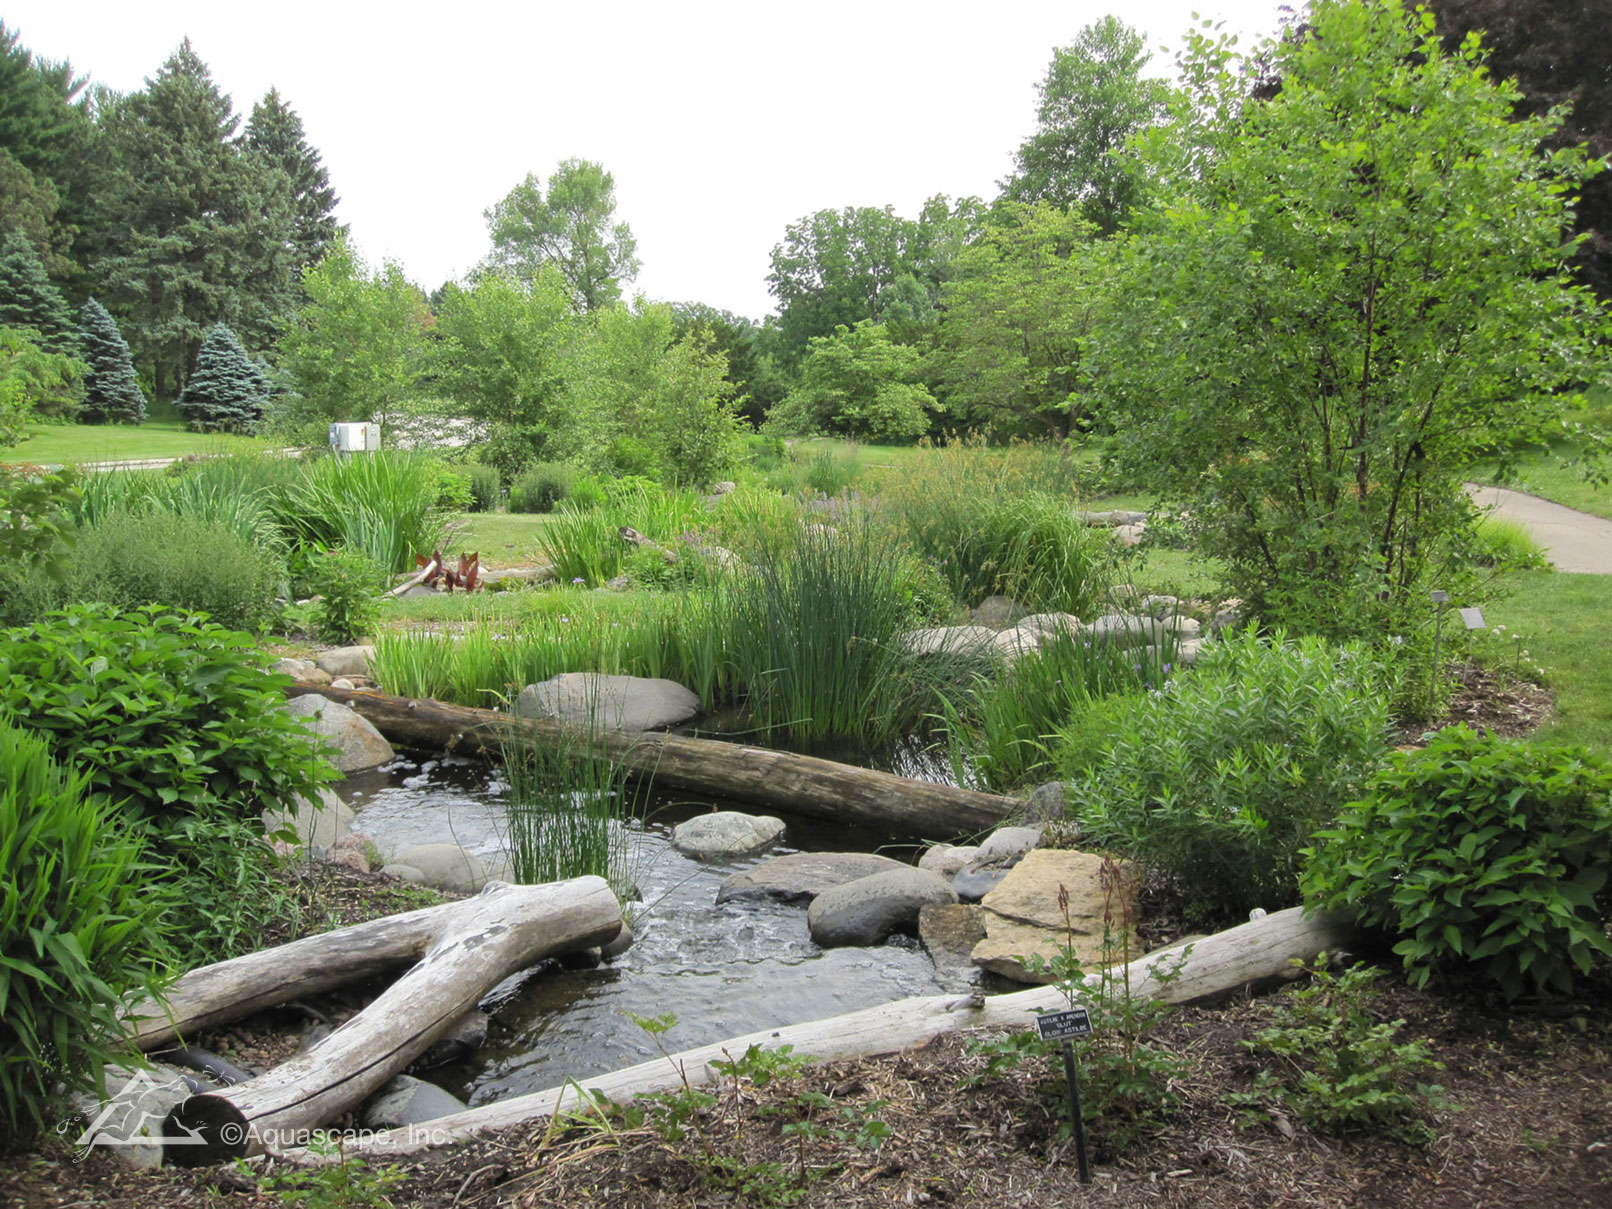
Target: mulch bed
[(1528, 1123)]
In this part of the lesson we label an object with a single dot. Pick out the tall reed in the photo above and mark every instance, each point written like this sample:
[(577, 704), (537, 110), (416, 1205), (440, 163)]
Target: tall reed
[(382, 504)]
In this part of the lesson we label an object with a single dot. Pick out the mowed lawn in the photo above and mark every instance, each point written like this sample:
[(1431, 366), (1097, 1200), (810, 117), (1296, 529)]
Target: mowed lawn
[(53, 444)]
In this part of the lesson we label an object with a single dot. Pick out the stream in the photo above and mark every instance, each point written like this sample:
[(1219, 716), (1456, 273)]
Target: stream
[(722, 971)]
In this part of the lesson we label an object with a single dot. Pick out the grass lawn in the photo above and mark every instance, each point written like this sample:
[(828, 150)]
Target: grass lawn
[(503, 539), (1561, 619), (1541, 472), (156, 438)]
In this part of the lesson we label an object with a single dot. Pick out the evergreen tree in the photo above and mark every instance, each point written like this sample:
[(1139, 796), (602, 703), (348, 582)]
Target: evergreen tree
[(44, 133), (274, 133), (29, 300), (111, 393), (205, 227), (225, 391)]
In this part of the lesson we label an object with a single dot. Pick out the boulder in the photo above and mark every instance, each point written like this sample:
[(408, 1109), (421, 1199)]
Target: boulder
[(949, 932), (297, 669), (466, 1036), (948, 640), (1047, 803), (1022, 917), (726, 834), (408, 1101), (947, 859), (129, 1123), (725, 487), (404, 873), (1043, 625), (624, 703), (868, 910), (975, 880), (346, 661), (1130, 535), (320, 825), (997, 612), (357, 744), (445, 866), (803, 875), (1125, 629), (1011, 644), (351, 851), (1112, 519), (619, 945), (1006, 844)]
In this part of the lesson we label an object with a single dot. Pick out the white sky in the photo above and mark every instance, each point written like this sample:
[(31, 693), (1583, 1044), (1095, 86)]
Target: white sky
[(721, 122)]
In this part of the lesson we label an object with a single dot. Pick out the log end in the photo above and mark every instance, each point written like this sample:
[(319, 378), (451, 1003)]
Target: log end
[(204, 1130)]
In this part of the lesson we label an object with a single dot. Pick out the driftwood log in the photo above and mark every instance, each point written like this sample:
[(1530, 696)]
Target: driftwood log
[(796, 784), (459, 952), (1251, 953)]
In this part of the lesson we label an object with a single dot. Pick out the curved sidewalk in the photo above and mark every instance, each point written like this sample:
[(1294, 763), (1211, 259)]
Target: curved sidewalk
[(1575, 541)]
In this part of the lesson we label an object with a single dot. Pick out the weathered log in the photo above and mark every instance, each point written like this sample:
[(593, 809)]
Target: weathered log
[(427, 570), (782, 780), (634, 538), (464, 950), (1201, 969)]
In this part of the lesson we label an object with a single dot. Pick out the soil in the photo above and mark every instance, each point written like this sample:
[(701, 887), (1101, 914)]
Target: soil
[(1526, 1121)]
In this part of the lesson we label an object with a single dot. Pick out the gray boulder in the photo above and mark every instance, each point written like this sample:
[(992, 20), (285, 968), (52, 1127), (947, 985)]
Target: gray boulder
[(357, 744), (445, 866), (868, 910), (726, 834), (321, 825), (347, 661), (625, 703), (1047, 803), (1006, 844), (130, 1122), (408, 1101), (947, 859), (949, 640), (803, 875)]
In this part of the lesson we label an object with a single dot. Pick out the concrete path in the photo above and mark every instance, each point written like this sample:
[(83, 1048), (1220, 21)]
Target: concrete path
[(1574, 540)]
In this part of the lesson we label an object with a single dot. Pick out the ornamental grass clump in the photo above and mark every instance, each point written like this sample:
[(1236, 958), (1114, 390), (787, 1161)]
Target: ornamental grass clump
[(1218, 778), (77, 930), (1486, 856), (383, 504)]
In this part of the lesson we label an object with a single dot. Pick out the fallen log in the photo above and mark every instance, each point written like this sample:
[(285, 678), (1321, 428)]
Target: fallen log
[(796, 784), (460, 952), (1202, 969)]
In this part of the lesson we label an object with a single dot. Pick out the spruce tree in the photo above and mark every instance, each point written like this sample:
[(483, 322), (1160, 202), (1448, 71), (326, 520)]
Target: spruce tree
[(225, 390), (28, 299), (111, 393), (274, 133)]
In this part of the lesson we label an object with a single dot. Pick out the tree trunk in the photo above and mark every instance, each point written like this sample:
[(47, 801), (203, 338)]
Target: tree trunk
[(1227, 961), (463, 950), (781, 780)]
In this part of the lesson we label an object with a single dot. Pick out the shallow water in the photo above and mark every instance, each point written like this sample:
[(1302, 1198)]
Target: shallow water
[(720, 970)]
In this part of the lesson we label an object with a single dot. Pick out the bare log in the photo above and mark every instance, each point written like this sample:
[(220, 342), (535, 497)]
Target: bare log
[(634, 538), (781, 780), (1250, 953), (427, 570), (464, 950)]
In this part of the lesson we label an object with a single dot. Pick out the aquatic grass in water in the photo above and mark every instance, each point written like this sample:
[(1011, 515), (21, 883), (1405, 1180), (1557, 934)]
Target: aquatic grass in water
[(568, 808)]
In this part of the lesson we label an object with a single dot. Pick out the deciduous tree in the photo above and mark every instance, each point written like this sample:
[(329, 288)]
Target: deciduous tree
[(1361, 293), (1094, 97), (857, 383), (572, 228)]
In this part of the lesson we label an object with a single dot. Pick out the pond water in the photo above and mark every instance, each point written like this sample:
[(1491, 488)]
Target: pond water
[(720, 970)]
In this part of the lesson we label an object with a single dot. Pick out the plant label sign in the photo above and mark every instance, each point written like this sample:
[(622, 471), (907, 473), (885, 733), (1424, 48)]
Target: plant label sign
[(1060, 1026)]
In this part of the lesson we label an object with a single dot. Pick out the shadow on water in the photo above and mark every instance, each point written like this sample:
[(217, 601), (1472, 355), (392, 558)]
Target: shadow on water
[(721, 970)]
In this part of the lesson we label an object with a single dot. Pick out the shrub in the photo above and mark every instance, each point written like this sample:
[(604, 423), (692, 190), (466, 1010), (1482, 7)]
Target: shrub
[(159, 709), (76, 930), (1507, 546), (131, 559), (1479, 851), (486, 489), (1217, 779), (453, 492), (347, 582), (1342, 1068), (541, 486)]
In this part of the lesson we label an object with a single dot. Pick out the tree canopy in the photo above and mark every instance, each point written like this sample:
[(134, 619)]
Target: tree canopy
[(1361, 293), (572, 227)]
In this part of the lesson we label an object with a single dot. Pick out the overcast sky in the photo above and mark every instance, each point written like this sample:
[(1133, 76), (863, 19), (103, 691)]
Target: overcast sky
[(721, 122)]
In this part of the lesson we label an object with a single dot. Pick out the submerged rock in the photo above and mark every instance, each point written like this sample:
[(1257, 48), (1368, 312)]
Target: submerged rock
[(609, 702), (803, 875), (868, 910), (726, 834)]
